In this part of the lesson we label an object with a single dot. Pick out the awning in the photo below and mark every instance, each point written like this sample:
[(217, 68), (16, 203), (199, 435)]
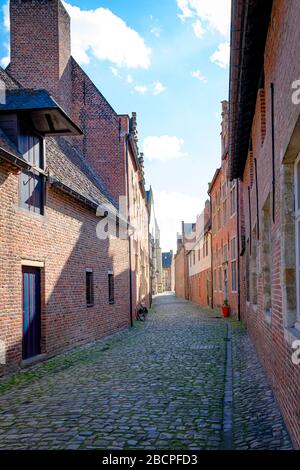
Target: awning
[(42, 112)]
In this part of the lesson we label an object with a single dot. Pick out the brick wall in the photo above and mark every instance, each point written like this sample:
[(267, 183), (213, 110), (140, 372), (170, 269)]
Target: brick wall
[(273, 333), (220, 237), (64, 239), (181, 274)]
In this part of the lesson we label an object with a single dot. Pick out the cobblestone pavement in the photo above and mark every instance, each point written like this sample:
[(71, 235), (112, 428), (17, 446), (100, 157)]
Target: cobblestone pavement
[(159, 385)]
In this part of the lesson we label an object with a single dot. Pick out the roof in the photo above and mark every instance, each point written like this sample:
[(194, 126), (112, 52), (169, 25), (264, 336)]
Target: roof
[(213, 180), (249, 27), (68, 169), (167, 260), (45, 114)]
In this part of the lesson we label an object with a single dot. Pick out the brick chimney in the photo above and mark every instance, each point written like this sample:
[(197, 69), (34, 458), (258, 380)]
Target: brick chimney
[(40, 47)]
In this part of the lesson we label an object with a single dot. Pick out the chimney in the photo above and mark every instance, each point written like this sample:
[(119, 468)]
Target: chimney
[(40, 47)]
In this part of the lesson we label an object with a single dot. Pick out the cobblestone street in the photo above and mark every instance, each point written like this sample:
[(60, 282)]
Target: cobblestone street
[(160, 385)]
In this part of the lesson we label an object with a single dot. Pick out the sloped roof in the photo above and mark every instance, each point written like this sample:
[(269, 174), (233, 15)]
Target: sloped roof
[(66, 166)]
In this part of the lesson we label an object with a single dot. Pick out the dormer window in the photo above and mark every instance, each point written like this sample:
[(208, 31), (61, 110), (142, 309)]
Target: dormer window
[(31, 182)]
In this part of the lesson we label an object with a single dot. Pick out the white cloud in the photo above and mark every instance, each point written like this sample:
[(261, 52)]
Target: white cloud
[(163, 148), (212, 15), (198, 29), (186, 12), (129, 79), (155, 88), (114, 71), (170, 209), (105, 36), (141, 89), (156, 31), (4, 61), (158, 88), (6, 20), (222, 55), (199, 76)]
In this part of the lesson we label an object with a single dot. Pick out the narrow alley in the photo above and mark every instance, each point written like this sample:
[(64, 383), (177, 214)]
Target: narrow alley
[(162, 385)]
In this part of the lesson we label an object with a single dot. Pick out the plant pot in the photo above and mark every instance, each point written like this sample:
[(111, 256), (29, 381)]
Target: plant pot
[(225, 311)]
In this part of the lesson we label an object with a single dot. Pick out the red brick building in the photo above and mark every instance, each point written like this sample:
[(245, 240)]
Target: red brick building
[(199, 260), (63, 153), (223, 202), (181, 263), (264, 153)]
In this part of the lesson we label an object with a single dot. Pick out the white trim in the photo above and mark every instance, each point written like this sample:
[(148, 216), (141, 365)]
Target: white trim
[(32, 263), (88, 270)]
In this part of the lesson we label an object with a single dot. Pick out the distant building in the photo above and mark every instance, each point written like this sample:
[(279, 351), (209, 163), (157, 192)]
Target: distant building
[(168, 271), (156, 275), (181, 262), (199, 260)]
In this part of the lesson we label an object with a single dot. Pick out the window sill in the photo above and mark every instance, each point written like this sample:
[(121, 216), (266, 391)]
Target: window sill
[(90, 305), (30, 214), (112, 302), (291, 334)]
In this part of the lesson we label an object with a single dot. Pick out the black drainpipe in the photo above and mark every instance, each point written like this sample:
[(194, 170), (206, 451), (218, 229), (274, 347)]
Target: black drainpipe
[(129, 236), (238, 247), (273, 151)]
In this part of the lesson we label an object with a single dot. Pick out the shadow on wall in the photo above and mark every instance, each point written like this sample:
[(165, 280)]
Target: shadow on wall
[(68, 272)]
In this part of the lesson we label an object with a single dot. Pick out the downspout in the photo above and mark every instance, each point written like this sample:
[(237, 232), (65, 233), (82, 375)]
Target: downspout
[(129, 236), (211, 257), (238, 247)]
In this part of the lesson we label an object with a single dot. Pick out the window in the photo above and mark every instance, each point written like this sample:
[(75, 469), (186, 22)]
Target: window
[(31, 182), (225, 255), (111, 288), (194, 257), (233, 264), (232, 198), (215, 272), (220, 269), (248, 271), (254, 267), (297, 231), (89, 288), (267, 257), (206, 246), (199, 254)]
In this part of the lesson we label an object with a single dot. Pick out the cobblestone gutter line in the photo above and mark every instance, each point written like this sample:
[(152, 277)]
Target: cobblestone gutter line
[(227, 443)]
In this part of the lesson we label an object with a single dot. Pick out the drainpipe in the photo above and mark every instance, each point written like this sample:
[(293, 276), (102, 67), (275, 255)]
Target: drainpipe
[(238, 247), (129, 236), (211, 257)]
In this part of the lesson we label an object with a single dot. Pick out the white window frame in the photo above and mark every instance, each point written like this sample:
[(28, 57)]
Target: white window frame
[(297, 242)]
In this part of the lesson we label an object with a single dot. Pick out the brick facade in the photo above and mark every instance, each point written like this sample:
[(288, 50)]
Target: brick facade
[(223, 196), (268, 262), (99, 166), (199, 260)]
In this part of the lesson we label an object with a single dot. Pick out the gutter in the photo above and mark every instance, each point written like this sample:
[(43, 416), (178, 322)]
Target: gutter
[(14, 159)]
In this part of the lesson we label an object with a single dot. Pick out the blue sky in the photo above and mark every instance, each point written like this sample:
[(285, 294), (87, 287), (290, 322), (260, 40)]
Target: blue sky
[(168, 61)]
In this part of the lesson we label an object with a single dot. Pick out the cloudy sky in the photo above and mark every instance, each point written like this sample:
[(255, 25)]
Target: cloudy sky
[(168, 61)]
